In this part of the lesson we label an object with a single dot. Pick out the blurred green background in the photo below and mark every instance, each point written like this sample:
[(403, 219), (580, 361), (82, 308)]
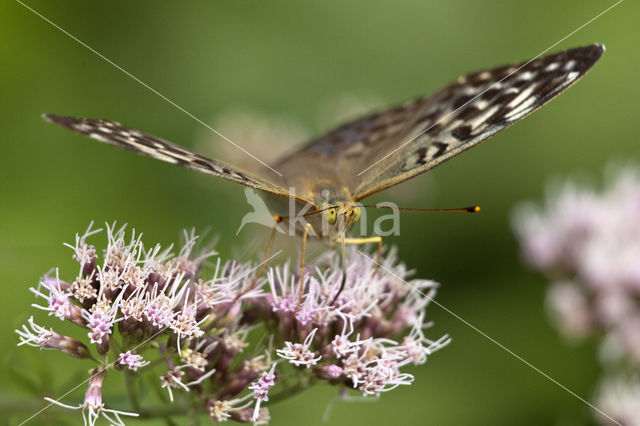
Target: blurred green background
[(287, 59)]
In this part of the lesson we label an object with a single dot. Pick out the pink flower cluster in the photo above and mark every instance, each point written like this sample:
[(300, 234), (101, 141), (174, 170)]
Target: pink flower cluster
[(200, 322), (587, 242), (352, 337)]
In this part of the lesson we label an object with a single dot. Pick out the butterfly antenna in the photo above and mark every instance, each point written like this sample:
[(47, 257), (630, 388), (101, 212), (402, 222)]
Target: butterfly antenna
[(279, 219), (472, 209)]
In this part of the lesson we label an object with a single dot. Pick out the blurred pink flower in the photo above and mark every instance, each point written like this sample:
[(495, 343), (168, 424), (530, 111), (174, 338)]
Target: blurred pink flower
[(588, 244), (619, 398)]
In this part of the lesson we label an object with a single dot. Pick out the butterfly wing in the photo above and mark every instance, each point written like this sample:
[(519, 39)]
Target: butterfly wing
[(473, 109), (113, 133), (382, 150)]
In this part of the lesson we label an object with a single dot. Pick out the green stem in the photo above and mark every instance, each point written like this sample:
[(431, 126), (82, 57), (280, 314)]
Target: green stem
[(162, 411), (130, 383), (292, 391), (152, 364)]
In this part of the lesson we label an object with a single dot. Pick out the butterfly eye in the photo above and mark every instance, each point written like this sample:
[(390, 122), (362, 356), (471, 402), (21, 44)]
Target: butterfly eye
[(356, 214), (331, 216)]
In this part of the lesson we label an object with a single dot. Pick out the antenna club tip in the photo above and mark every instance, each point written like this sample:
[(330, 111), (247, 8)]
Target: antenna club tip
[(475, 209), (277, 218)]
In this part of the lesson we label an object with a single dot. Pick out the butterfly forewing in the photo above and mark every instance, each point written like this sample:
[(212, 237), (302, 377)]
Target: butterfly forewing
[(113, 133), (474, 108), (384, 149)]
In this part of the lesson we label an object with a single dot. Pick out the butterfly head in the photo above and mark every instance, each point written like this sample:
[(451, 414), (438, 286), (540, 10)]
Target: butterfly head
[(339, 216)]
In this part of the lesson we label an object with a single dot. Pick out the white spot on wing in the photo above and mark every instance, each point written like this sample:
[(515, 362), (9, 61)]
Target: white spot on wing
[(482, 118), (521, 109), (82, 127), (552, 66), (98, 137), (469, 91), (522, 96), (481, 104), (572, 76), (527, 75), (166, 158)]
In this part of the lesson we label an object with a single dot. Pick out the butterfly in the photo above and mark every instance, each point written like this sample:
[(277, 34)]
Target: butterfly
[(333, 173)]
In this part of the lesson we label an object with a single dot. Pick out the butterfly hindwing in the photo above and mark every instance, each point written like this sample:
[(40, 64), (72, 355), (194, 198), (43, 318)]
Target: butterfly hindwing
[(114, 133), (340, 154)]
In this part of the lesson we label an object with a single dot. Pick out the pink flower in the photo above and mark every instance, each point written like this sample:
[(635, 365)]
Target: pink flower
[(58, 300), (331, 371), (93, 407), (38, 336), (591, 253), (101, 321), (131, 361), (299, 353), (588, 245), (261, 388)]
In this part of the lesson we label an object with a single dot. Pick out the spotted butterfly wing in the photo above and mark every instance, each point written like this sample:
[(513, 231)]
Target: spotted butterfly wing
[(387, 148), (113, 133)]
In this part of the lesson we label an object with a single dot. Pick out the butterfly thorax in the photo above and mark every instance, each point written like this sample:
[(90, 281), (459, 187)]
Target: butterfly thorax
[(324, 192)]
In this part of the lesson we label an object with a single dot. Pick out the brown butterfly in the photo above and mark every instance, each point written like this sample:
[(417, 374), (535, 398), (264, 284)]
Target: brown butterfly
[(333, 173)]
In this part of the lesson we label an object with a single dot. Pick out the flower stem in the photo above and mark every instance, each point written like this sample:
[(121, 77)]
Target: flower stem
[(129, 379), (162, 411), (291, 391)]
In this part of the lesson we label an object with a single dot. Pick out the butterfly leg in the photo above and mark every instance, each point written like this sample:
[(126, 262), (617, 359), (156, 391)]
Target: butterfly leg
[(308, 227), (368, 240)]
